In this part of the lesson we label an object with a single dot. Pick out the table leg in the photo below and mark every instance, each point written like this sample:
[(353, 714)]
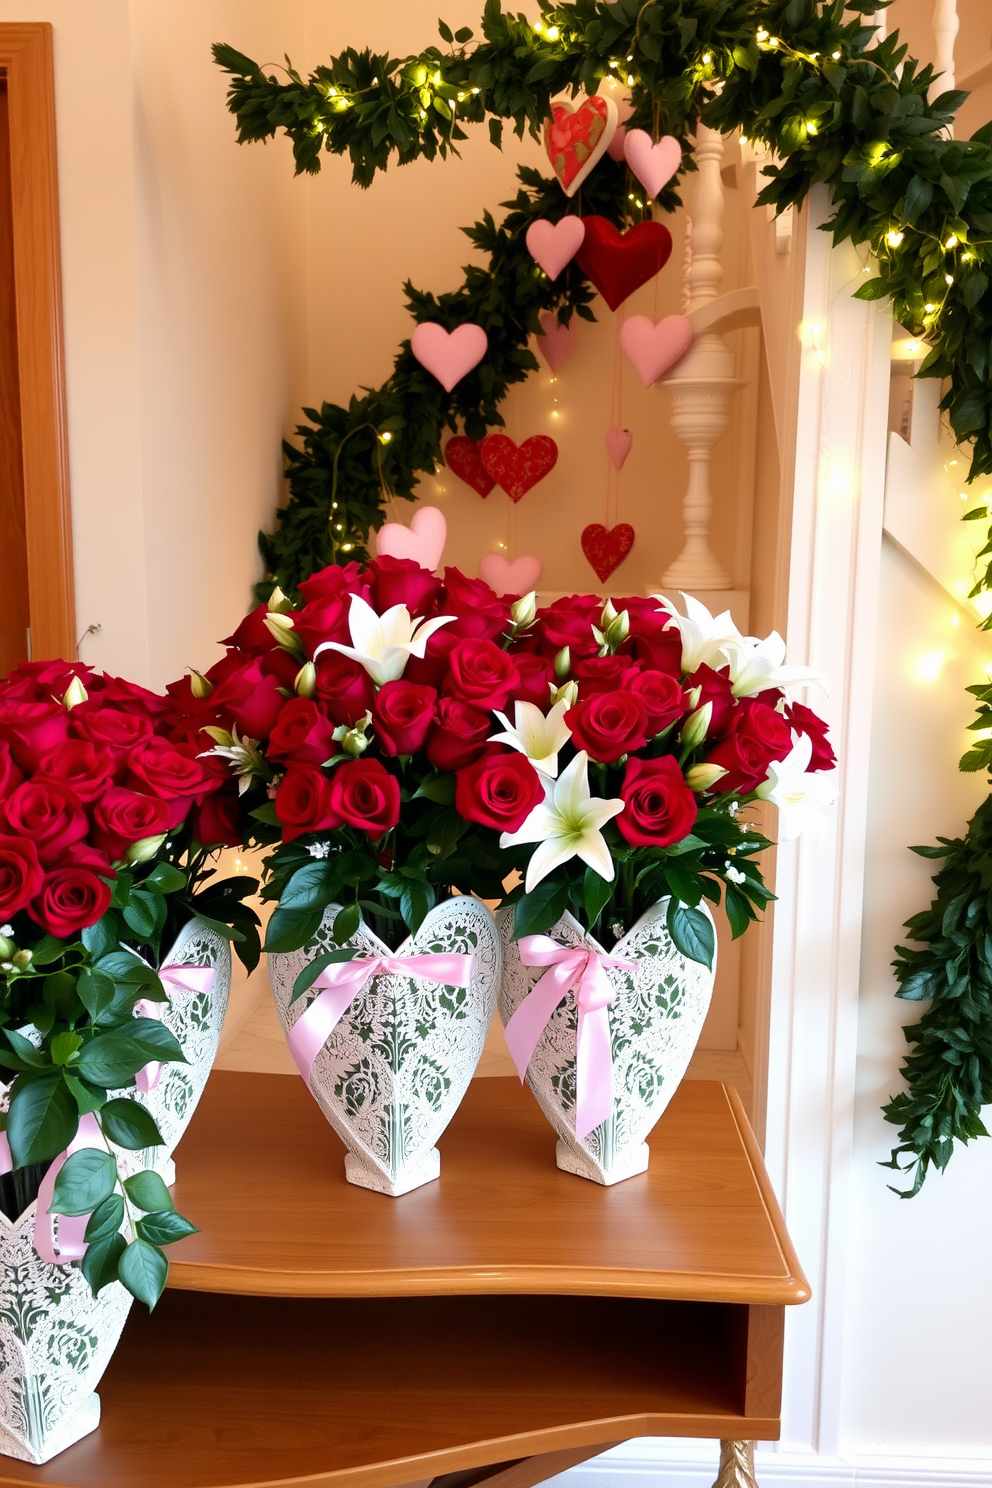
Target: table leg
[(736, 1465)]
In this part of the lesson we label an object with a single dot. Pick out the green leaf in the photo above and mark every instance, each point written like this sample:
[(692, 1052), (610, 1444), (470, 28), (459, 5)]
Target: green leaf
[(439, 788), (106, 1219), (129, 1124), (289, 929), (148, 1191), (59, 993), (101, 937), (156, 1041), (110, 1059), (873, 289), (596, 895), (463, 34), (266, 813), (739, 912), (919, 195), (96, 992), (446, 34), (496, 133), (692, 932), (312, 970), (143, 1270), (48, 950), (311, 887), (416, 902), (346, 922), (537, 911), (165, 1228), (165, 878), (42, 1119), (101, 1260), (144, 914), (26, 1051), (84, 1180), (63, 1046)]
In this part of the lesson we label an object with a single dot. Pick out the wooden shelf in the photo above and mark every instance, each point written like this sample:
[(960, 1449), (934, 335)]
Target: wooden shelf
[(262, 1174)]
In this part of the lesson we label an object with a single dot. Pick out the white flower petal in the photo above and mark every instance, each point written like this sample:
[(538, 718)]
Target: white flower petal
[(592, 849), (546, 859)]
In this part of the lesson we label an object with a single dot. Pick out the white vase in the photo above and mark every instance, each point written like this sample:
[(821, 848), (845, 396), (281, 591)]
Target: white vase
[(56, 1340), (656, 1017), (196, 1020), (394, 1070)]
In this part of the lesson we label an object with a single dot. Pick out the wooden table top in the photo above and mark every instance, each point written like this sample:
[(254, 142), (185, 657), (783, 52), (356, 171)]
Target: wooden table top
[(262, 1174)]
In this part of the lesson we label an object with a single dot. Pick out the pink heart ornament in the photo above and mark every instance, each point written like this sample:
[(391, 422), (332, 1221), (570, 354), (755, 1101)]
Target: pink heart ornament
[(652, 349), (555, 341), (518, 577), (653, 164), (618, 442), (448, 355), (423, 540), (616, 146), (555, 244)]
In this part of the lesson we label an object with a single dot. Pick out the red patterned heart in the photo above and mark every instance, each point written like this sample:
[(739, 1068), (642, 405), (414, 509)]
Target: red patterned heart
[(576, 139), (606, 549), (463, 457), (515, 468), (618, 263)]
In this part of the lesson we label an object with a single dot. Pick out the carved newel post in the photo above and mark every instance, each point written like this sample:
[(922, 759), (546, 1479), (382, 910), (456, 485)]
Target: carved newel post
[(703, 382)]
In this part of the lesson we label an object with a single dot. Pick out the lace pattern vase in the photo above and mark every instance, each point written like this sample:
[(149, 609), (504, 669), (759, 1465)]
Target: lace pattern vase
[(196, 1019), (56, 1340), (394, 1070), (656, 1018)]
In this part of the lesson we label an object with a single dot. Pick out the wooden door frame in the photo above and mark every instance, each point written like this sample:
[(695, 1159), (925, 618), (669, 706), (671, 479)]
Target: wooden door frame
[(26, 60)]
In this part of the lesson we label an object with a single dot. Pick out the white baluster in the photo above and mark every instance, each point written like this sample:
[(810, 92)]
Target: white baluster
[(704, 381), (945, 30)]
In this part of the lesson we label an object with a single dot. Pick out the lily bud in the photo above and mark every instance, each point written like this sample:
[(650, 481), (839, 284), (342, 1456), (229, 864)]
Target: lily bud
[(75, 694), (608, 616), (280, 627), (696, 726), (220, 736), (306, 680), (704, 777), (199, 685), (568, 693), (7, 948), (143, 851), (617, 630), (278, 603), (523, 610), (563, 663), (22, 959), (692, 698)]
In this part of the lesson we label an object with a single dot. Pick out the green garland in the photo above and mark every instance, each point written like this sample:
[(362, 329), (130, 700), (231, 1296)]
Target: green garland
[(834, 106)]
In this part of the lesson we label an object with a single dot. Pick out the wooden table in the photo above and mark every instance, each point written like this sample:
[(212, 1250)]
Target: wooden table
[(498, 1326)]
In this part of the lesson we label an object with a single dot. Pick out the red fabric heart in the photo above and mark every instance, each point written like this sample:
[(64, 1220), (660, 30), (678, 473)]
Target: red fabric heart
[(575, 139), (463, 458), (515, 468), (606, 550), (618, 263)]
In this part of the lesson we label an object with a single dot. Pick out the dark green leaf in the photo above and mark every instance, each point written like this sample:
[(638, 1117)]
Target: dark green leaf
[(84, 1180), (144, 1271), (148, 1191), (106, 1219), (537, 911), (100, 1262), (692, 932), (42, 1119), (165, 1228), (165, 878), (100, 938), (110, 1059), (129, 1124), (346, 922)]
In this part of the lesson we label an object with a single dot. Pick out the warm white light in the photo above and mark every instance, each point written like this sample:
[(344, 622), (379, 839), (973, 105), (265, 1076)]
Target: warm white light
[(928, 665), (894, 237), (707, 58), (836, 56), (952, 242), (948, 278), (552, 33)]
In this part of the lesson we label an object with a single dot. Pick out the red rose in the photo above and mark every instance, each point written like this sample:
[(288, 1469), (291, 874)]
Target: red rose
[(403, 714), (252, 698), (805, 721), (459, 736), (365, 795), (253, 636), (481, 674), (304, 734), (653, 639), (536, 674), (398, 581), (323, 620), (431, 671), (479, 612), (283, 666), (347, 578), (160, 769), (598, 674), (32, 729), (303, 803), (71, 898), (10, 775), (659, 808), (757, 736), (133, 697), (569, 622), (49, 814), (344, 687), (37, 681), (21, 875), (217, 822), (661, 695), (122, 817), (609, 725), (86, 768), (119, 731), (716, 688), (499, 791)]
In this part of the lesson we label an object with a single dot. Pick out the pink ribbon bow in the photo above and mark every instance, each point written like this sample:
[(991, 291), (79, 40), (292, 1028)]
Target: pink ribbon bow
[(182, 979), (582, 971), (72, 1228), (343, 980)]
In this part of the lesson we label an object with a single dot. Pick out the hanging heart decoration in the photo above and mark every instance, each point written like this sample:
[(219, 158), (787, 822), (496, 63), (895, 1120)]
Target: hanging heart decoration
[(654, 165), (577, 138), (448, 355), (612, 87), (618, 442), (555, 244), (606, 548), (615, 148), (504, 577), (423, 540), (618, 263), (555, 341), (463, 458), (653, 348), (518, 468)]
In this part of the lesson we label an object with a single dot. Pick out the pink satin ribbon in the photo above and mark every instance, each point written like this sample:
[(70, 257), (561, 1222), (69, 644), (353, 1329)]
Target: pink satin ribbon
[(182, 979), (343, 980), (582, 971), (72, 1228)]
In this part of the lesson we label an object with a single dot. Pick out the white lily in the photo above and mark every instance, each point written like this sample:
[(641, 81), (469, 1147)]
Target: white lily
[(567, 824), (801, 799), (536, 736), (755, 665), (384, 643), (703, 635)]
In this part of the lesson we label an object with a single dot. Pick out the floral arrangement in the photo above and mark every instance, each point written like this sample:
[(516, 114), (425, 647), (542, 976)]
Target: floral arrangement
[(405, 736), (107, 820)]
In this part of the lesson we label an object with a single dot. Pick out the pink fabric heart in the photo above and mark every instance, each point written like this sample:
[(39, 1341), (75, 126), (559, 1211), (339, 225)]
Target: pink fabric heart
[(423, 540), (518, 577), (618, 442), (615, 148), (653, 349), (448, 355), (555, 340), (554, 244), (652, 164)]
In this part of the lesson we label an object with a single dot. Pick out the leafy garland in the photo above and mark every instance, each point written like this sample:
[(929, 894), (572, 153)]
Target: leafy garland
[(833, 106)]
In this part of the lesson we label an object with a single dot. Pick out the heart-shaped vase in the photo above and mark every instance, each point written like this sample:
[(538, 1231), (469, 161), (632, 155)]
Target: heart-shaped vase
[(576, 139), (423, 541), (504, 577), (618, 263), (652, 347), (517, 468), (464, 459), (606, 547), (655, 1020), (448, 355), (394, 1069)]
